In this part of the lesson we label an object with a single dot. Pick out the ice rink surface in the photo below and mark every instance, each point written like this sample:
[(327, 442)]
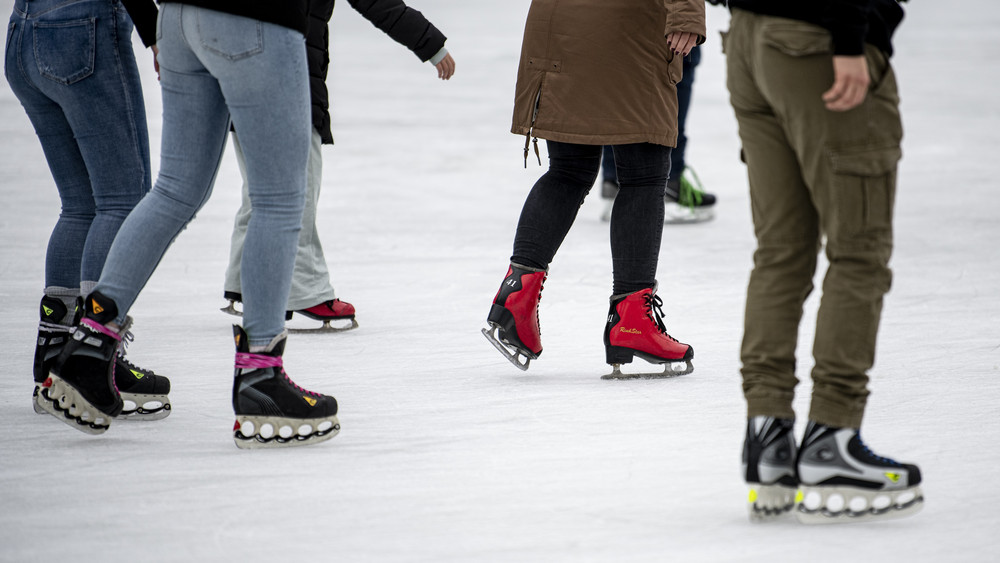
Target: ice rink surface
[(448, 453)]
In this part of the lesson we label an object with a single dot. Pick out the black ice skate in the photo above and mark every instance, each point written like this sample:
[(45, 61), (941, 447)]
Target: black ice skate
[(271, 410), (52, 337), (769, 467), (843, 481), (144, 393), (80, 388)]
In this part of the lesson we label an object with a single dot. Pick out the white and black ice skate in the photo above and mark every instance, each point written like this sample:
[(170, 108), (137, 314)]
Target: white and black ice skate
[(769, 467), (841, 480), (271, 410)]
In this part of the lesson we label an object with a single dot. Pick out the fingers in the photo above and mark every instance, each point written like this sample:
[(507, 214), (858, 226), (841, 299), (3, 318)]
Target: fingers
[(446, 68), (681, 42), (850, 83)]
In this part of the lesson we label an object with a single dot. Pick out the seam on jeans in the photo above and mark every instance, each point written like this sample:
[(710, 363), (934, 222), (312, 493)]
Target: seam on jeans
[(129, 102)]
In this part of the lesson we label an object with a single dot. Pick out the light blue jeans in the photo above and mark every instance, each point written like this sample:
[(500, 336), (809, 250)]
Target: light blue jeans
[(212, 66), (70, 64)]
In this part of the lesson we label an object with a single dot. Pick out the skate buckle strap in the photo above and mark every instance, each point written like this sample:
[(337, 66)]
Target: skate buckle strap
[(245, 360), (98, 327)]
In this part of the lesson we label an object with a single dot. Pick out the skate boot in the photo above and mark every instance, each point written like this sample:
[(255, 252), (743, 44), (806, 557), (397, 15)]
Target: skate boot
[(233, 298), (144, 393), (635, 328), (271, 410), (80, 388), (332, 310), (843, 481), (514, 328), (686, 201), (769, 467), (52, 336)]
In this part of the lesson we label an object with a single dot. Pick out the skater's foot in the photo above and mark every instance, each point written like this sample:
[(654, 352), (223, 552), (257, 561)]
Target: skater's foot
[(686, 201), (769, 467)]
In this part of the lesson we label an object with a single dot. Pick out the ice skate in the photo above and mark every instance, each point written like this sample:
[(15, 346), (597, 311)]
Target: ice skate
[(233, 298), (769, 467), (514, 328), (80, 388), (327, 311), (145, 394), (52, 337), (635, 328), (271, 410), (685, 201), (844, 481)]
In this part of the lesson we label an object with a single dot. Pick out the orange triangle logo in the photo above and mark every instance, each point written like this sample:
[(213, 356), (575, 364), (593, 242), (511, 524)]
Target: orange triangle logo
[(310, 400), (95, 307)]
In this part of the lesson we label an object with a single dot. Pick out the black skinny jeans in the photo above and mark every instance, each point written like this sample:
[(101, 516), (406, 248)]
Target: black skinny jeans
[(636, 220)]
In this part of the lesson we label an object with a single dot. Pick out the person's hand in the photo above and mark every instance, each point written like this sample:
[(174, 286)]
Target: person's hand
[(156, 63), (681, 42), (446, 68), (850, 83)]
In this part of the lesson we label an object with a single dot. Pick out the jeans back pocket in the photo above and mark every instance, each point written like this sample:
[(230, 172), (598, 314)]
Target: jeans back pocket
[(64, 50), (231, 37)]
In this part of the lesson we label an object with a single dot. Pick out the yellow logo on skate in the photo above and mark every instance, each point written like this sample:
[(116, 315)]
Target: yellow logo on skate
[(310, 400), (630, 330), (799, 496), (48, 310), (753, 495), (95, 307), (894, 477), (137, 374)]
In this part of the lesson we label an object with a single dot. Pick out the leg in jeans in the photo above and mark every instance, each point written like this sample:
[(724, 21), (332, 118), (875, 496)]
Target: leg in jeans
[(684, 88), (555, 199), (637, 216), (87, 109), (311, 277), (213, 65)]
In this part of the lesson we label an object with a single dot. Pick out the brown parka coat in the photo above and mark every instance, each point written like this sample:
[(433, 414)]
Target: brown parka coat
[(600, 72)]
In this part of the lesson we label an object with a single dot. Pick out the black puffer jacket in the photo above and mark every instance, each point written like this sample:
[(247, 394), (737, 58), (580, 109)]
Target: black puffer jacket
[(403, 24), (852, 23)]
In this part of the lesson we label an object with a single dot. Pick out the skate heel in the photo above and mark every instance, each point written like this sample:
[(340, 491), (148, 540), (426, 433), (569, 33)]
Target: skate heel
[(618, 355)]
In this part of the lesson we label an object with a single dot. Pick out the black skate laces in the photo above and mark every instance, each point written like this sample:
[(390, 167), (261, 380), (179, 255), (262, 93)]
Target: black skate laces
[(246, 360), (654, 308)]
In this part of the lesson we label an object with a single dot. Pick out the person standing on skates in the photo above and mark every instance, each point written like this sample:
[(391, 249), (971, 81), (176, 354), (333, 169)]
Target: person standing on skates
[(818, 111), (591, 74)]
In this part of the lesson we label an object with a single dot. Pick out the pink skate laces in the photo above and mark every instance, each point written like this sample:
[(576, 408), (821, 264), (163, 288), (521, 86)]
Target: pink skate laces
[(98, 327), (246, 360)]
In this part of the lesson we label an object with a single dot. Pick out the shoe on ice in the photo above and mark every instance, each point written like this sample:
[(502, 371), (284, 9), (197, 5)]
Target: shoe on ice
[(841, 480), (331, 310), (234, 297), (271, 410), (513, 320), (635, 328), (80, 388), (769, 466), (144, 393), (686, 201), (52, 336)]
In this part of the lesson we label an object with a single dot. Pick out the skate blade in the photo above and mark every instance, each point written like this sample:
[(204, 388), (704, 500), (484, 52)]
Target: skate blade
[(668, 371), (145, 407), (837, 505), (677, 214), (267, 432), (62, 401), (327, 327), (512, 354), (766, 503), (231, 309)]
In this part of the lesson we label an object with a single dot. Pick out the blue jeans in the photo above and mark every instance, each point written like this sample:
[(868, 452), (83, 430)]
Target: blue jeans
[(214, 66), (70, 64), (684, 87), (636, 219)]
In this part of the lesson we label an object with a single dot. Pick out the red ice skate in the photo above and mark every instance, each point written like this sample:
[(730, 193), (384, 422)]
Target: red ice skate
[(332, 310), (635, 328), (513, 319)]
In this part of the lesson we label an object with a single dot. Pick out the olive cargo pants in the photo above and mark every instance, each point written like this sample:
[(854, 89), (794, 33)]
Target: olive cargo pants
[(815, 176)]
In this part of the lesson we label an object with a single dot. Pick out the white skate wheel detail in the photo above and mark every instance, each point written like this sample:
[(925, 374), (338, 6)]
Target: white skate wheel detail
[(305, 430), (286, 432), (858, 504), (881, 502), (905, 498), (247, 428), (151, 405), (813, 500), (835, 503), (324, 426), (266, 430), (130, 406)]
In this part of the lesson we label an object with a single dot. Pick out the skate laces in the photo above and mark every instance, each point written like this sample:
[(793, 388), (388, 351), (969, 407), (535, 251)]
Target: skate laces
[(246, 360), (691, 189), (870, 453), (654, 308)]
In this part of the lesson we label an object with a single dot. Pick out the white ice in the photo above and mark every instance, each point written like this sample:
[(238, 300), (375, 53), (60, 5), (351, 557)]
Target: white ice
[(449, 453)]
